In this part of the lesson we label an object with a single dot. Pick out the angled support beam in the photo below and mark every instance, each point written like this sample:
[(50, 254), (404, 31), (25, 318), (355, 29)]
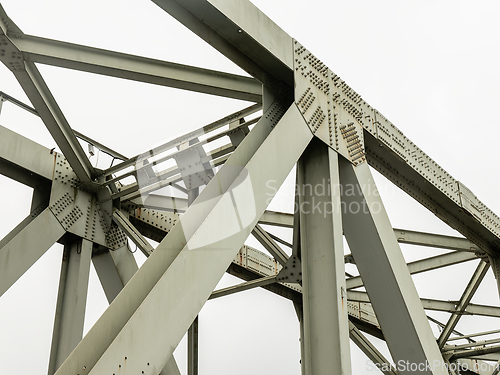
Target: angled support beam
[(370, 351), (497, 368), (391, 289), (71, 301), (25, 244), (185, 268), (269, 244), (423, 265), (326, 332), (471, 288), (24, 160), (241, 32), (136, 68), (100, 146), (243, 286), (185, 138), (40, 96), (114, 269), (122, 221)]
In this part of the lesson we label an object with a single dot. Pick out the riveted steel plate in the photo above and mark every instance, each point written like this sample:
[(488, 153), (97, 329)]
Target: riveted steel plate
[(77, 210)]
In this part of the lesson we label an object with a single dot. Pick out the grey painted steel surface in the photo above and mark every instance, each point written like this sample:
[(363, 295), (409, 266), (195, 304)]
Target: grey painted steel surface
[(434, 240), (269, 244), (326, 332), (114, 269), (40, 96), (423, 265), (391, 289), (71, 301), (437, 305), (122, 221), (31, 240), (370, 351), (98, 348), (342, 120), (471, 288), (242, 33), (121, 65), (24, 160), (244, 286)]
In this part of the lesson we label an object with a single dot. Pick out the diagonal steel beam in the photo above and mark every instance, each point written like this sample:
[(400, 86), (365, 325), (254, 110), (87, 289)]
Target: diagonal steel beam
[(24, 160), (21, 248), (471, 288), (270, 245), (392, 293), (141, 69), (192, 265), (114, 268), (40, 96), (370, 350), (100, 146), (243, 286), (240, 31), (122, 221)]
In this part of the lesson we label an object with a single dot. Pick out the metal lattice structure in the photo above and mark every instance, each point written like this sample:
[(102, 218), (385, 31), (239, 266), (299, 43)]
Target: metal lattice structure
[(304, 116)]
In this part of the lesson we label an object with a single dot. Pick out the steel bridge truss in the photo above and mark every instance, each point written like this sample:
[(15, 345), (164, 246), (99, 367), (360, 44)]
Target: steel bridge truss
[(304, 115)]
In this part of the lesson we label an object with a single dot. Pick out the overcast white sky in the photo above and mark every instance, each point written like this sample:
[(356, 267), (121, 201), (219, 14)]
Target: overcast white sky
[(431, 67)]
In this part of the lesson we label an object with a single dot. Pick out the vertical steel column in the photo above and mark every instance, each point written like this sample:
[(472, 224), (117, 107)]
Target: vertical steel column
[(299, 310), (192, 337), (326, 331), (383, 269), (71, 301)]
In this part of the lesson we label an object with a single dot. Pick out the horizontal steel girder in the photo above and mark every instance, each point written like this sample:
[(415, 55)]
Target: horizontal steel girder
[(423, 265), (437, 305), (136, 68)]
